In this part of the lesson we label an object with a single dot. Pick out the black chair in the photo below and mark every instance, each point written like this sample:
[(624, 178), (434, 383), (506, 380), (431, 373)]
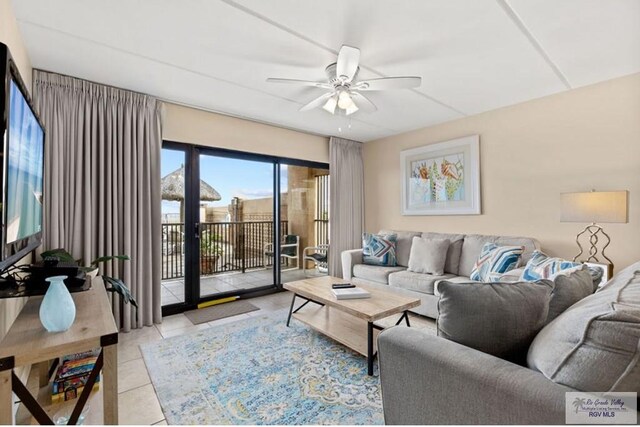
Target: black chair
[(319, 255), (289, 249)]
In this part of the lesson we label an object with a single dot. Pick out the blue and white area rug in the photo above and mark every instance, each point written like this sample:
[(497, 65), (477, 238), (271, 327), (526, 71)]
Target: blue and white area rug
[(258, 371)]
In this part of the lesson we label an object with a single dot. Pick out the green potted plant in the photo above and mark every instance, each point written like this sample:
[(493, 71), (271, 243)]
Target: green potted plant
[(210, 251), (112, 284)]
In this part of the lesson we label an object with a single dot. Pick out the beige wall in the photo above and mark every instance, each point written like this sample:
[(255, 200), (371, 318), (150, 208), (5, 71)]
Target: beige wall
[(530, 153), (184, 124), (9, 35)]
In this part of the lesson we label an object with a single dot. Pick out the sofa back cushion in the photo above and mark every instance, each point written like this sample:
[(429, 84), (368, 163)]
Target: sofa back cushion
[(595, 344), (569, 287), (497, 318), (452, 263), (473, 243), (403, 245)]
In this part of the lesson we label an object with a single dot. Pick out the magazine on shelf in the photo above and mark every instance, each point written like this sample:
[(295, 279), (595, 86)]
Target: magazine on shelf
[(350, 293)]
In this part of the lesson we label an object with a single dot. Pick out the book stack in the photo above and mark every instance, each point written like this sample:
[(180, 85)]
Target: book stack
[(72, 374), (350, 293)]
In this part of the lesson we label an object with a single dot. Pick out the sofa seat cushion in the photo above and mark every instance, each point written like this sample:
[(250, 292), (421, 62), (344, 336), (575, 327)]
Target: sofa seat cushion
[(595, 344), (418, 282), (375, 273)]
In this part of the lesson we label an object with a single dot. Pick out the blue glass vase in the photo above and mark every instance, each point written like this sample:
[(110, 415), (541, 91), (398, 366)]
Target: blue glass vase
[(57, 310)]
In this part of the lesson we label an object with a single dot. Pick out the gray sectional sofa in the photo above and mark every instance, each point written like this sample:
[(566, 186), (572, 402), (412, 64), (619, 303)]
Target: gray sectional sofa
[(461, 257), (593, 346)]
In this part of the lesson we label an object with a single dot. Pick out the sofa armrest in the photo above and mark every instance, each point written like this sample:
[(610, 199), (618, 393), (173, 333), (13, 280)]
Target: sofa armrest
[(430, 380), (349, 259)]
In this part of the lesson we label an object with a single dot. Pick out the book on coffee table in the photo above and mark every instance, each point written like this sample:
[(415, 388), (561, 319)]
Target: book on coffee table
[(350, 293)]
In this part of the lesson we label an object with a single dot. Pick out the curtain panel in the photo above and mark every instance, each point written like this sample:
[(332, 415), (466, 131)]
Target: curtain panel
[(346, 200), (102, 183)]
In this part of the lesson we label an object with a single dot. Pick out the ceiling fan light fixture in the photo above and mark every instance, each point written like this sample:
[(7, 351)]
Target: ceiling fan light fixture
[(344, 100), (330, 105), (344, 88), (351, 109)]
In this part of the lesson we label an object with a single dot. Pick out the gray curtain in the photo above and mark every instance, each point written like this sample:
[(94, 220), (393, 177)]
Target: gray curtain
[(102, 183), (346, 200)]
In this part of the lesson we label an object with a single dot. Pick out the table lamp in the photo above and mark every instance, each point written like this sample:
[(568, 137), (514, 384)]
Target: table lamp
[(594, 207)]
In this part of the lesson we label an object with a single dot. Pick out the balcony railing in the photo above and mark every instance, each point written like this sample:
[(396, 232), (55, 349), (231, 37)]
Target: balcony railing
[(224, 246)]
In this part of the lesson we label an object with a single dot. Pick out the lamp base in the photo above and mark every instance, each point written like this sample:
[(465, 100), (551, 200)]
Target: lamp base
[(594, 231)]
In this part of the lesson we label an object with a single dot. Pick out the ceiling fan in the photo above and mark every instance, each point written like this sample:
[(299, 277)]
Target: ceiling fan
[(344, 89)]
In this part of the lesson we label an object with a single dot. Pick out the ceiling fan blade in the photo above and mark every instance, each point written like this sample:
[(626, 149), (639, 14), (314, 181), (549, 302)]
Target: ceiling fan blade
[(317, 102), (387, 83), (348, 60), (323, 85), (363, 103)]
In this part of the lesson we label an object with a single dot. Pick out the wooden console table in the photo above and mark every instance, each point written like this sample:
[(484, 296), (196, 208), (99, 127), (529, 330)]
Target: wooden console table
[(28, 343)]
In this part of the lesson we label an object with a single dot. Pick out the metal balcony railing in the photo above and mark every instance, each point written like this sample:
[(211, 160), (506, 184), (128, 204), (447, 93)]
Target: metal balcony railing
[(224, 246)]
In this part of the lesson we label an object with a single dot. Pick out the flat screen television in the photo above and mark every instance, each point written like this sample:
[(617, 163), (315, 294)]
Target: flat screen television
[(22, 166)]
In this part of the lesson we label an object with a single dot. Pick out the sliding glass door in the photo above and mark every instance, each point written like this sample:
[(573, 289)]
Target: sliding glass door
[(236, 224)]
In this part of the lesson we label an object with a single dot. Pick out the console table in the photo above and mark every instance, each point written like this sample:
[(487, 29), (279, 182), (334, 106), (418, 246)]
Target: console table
[(28, 343)]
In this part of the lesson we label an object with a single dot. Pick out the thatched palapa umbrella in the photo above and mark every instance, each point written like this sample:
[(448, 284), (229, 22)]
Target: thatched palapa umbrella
[(173, 189)]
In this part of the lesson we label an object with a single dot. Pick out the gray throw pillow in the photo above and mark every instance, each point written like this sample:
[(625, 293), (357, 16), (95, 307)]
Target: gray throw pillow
[(496, 318), (570, 286), (428, 255)]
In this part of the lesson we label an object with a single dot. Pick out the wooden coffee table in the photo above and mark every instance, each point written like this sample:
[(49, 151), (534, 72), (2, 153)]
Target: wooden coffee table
[(350, 322)]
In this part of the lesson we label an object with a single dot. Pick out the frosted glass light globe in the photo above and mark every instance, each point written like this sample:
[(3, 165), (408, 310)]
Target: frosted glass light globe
[(344, 100)]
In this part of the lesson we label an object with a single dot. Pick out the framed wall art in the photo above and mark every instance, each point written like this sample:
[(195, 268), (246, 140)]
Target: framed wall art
[(442, 178)]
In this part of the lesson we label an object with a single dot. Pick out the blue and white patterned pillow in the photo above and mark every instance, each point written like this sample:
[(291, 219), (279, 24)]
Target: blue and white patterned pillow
[(494, 261), (541, 266), (379, 249)]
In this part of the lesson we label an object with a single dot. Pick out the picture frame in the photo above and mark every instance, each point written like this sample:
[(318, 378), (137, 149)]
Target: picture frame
[(442, 178)]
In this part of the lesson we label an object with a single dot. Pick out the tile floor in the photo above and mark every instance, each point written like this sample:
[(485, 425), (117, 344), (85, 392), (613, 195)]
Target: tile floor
[(173, 290), (134, 385)]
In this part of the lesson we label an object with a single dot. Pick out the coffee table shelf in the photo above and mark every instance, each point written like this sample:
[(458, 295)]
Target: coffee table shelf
[(350, 322), (342, 327)]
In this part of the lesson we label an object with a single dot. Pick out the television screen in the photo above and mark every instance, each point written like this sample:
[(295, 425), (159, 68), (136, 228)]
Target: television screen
[(24, 170)]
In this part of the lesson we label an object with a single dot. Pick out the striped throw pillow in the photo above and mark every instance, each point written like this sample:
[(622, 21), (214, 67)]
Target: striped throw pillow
[(542, 266), (379, 249), (494, 261)]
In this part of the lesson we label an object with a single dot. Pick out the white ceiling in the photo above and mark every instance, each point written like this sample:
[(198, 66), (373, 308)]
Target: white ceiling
[(473, 55)]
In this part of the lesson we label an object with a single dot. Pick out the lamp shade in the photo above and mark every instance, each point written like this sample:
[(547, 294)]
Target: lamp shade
[(594, 206)]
